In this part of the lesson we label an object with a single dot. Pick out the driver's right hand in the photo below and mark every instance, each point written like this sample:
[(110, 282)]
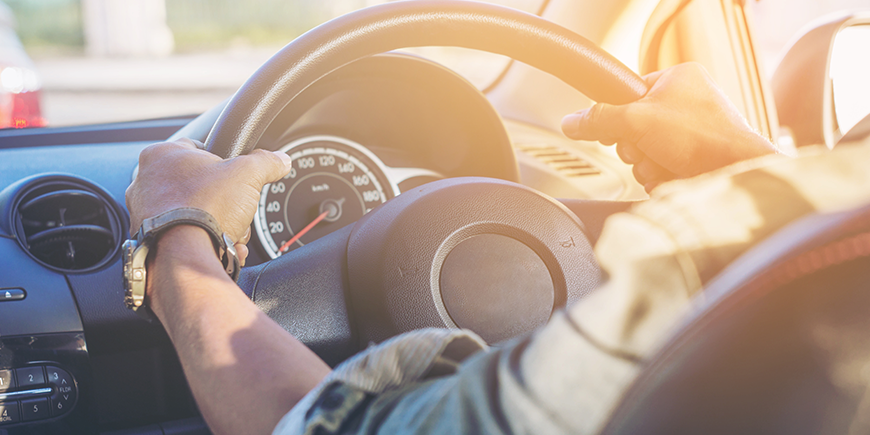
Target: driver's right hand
[(682, 127), (178, 174)]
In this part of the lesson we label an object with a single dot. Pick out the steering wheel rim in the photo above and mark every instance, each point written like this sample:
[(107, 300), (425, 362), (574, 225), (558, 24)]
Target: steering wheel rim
[(356, 285), (377, 29)]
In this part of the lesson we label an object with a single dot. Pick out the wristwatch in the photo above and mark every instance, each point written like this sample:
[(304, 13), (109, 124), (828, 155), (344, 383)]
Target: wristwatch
[(136, 250)]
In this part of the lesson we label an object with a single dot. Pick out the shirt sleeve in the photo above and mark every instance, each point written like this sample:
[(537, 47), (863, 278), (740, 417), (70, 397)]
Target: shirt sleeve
[(568, 376)]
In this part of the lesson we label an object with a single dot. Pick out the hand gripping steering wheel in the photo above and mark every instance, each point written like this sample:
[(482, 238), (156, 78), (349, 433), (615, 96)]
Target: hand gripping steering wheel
[(486, 254)]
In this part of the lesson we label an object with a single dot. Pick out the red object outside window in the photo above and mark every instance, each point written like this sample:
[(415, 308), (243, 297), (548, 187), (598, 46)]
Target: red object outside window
[(26, 110)]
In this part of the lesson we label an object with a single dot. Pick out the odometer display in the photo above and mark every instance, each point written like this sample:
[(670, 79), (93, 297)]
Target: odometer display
[(334, 181)]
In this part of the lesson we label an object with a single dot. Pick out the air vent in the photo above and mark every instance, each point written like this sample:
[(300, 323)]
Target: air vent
[(68, 224), (562, 161)]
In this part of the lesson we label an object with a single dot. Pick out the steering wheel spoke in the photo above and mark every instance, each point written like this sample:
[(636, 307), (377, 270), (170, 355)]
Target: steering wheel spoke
[(304, 292)]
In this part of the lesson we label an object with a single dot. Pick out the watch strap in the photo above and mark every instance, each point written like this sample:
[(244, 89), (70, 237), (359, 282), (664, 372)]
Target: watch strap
[(136, 251), (153, 227)]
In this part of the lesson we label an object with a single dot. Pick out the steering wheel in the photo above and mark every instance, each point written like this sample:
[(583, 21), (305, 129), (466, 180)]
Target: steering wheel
[(485, 254)]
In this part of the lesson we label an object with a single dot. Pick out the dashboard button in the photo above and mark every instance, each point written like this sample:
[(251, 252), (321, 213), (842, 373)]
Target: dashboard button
[(61, 403), (34, 409), (7, 381), (30, 376), (9, 413), (59, 377), (12, 294), (64, 396)]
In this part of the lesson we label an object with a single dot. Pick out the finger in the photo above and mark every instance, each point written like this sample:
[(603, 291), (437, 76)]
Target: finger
[(128, 198), (607, 141), (246, 238), (650, 186), (186, 143), (599, 121), (154, 152), (242, 252), (647, 171), (629, 153), (653, 77), (263, 167), (193, 144)]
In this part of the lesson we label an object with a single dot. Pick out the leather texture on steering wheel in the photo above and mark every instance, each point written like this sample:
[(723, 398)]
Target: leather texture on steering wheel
[(519, 35)]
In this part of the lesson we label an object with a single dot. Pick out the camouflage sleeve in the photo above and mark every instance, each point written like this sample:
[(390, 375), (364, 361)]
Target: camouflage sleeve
[(568, 376)]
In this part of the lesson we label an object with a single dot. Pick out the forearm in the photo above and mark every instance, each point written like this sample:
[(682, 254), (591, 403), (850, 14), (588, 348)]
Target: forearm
[(245, 371)]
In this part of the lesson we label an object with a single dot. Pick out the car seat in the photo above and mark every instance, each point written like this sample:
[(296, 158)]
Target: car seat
[(779, 342)]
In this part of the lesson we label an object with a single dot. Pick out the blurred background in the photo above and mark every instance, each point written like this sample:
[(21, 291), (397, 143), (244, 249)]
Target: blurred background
[(117, 60), (92, 61)]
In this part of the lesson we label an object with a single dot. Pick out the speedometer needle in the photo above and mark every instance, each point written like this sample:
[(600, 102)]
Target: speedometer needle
[(285, 246)]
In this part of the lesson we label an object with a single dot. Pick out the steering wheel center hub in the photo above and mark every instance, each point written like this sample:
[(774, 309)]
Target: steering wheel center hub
[(479, 253), (484, 279)]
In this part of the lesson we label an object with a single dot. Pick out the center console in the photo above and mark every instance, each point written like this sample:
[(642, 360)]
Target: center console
[(73, 359), (43, 383)]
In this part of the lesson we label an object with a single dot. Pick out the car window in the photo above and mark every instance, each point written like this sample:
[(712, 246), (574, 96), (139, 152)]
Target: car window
[(778, 22), (94, 61)]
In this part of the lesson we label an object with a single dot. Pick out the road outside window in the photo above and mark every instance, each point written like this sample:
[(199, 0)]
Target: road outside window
[(107, 61)]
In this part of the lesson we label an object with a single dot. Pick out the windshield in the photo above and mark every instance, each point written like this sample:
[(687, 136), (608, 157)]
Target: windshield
[(74, 62)]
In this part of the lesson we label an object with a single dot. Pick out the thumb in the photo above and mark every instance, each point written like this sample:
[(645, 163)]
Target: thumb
[(601, 121), (261, 166)]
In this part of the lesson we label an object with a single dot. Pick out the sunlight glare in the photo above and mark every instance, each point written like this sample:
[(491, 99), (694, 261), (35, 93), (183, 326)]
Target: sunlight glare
[(850, 69)]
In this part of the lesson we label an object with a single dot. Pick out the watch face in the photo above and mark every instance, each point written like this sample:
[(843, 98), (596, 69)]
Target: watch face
[(128, 249)]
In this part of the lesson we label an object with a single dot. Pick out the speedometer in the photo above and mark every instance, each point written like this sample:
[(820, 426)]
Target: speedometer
[(334, 181)]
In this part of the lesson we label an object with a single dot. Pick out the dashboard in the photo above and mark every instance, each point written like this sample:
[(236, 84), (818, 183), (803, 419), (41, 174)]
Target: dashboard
[(74, 360)]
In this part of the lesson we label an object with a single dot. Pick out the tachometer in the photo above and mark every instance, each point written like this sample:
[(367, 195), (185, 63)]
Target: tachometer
[(333, 182)]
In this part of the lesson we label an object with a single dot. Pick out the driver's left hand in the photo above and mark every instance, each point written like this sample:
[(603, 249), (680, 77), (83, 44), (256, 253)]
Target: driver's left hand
[(684, 126), (178, 174)]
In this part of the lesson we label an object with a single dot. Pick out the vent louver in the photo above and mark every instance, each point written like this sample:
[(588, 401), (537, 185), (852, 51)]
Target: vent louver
[(568, 164), (68, 224)]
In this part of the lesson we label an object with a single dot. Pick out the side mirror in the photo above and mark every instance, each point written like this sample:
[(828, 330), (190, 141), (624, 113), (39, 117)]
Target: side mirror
[(822, 84)]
